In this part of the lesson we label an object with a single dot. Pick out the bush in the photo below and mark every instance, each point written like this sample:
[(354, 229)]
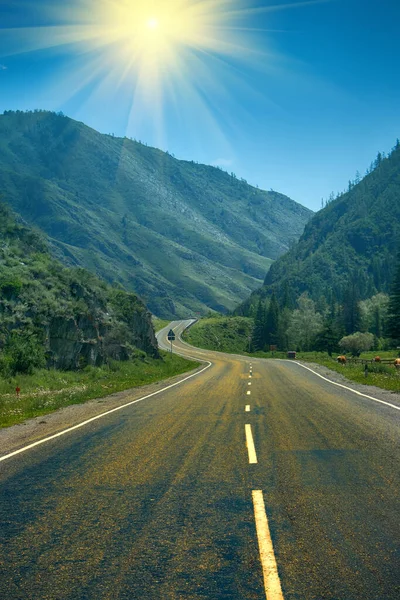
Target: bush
[(356, 343), (379, 368), (23, 353), (9, 287)]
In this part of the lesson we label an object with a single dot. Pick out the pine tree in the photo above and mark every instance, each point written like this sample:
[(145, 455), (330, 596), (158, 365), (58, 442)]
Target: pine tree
[(351, 307), (272, 322), (327, 339), (287, 300), (258, 337), (394, 307)]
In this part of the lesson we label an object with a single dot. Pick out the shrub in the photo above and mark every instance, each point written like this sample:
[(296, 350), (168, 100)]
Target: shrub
[(10, 287), (23, 353), (380, 368), (356, 343)]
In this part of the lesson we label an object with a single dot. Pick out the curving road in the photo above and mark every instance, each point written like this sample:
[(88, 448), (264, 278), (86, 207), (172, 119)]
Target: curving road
[(252, 479)]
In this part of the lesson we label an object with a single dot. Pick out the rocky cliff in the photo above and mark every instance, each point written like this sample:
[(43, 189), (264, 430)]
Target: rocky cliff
[(75, 318)]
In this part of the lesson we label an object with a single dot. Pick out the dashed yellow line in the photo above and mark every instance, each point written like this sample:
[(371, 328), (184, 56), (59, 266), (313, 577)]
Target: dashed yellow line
[(250, 445), (272, 584)]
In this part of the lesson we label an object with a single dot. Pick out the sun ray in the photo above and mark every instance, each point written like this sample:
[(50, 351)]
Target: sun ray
[(159, 51)]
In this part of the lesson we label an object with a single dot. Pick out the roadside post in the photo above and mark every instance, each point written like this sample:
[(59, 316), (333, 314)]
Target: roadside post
[(171, 337)]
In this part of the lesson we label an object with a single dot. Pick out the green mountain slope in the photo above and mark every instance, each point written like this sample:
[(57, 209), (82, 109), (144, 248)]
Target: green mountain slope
[(68, 313), (183, 236), (353, 240)]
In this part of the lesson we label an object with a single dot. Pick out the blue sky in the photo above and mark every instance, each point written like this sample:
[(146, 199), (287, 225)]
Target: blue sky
[(296, 99)]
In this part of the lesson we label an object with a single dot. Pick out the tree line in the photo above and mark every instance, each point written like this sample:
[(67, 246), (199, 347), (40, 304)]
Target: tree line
[(351, 325)]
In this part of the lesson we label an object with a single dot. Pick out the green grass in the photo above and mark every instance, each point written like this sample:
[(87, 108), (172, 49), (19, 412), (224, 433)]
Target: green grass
[(383, 376), (386, 377), (230, 334), (225, 334), (160, 323), (47, 390)]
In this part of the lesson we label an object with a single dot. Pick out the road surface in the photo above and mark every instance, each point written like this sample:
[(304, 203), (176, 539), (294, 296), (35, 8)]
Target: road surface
[(252, 479)]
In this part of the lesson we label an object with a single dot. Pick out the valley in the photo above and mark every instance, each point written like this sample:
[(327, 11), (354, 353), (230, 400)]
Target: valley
[(185, 237)]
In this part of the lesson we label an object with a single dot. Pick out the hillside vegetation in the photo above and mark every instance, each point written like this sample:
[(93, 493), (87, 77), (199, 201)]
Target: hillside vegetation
[(60, 317), (353, 241), (338, 289), (183, 236), (225, 334)]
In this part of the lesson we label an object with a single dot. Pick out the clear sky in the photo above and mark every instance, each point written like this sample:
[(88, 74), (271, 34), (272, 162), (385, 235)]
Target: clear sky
[(295, 96)]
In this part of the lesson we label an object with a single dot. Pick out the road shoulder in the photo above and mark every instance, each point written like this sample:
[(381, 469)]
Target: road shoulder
[(29, 431), (368, 390)]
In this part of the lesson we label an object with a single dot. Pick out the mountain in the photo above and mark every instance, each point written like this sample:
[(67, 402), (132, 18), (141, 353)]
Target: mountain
[(68, 313), (185, 237), (354, 240)]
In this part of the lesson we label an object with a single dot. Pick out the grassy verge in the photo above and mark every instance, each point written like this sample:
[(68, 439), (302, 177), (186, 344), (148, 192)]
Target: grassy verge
[(230, 334), (160, 323), (386, 377), (46, 391), (225, 334)]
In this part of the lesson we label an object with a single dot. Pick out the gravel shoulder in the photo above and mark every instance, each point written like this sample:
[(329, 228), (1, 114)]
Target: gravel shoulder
[(20, 435), (369, 390)]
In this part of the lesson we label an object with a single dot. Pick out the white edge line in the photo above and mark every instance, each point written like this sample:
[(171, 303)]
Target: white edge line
[(345, 386), (272, 584), (109, 412)]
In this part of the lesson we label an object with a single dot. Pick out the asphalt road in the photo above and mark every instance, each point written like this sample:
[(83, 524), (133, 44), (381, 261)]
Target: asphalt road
[(161, 500)]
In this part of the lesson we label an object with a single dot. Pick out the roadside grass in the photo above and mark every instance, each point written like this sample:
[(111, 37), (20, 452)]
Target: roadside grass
[(48, 390), (385, 376), (225, 334), (160, 323), (230, 335)]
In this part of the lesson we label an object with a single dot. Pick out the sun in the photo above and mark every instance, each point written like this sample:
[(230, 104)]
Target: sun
[(152, 23), (184, 56)]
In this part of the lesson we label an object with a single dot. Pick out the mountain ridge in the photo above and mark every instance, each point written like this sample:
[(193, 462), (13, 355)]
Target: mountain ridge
[(354, 239), (185, 237)]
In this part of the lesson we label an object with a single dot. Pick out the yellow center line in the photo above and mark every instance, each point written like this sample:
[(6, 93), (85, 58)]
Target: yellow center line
[(250, 445), (272, 584)]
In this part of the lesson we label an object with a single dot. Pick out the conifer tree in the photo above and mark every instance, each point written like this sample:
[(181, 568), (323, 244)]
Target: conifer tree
[(351, 307), (258, 337), (287, 300), (272, 322), (327, 339), (394, 307)]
